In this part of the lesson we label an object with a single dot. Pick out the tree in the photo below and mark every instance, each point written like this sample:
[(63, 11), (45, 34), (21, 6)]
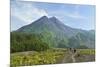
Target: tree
[(62, 44), (27, 42)]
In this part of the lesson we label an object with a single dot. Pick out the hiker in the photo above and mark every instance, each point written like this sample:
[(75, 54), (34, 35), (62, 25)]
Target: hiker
[(70, 49), (74, 51)]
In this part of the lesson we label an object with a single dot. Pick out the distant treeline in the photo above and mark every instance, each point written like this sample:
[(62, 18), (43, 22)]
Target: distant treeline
[(27, 42), (40, 42)]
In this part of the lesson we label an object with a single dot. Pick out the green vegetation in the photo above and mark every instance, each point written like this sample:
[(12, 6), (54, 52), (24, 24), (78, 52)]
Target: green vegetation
[(36, 49), (73, 42), (85, 55), (36, 58), (21, 41), (27, 42), (86, 51), (40, 41), (51, 56)]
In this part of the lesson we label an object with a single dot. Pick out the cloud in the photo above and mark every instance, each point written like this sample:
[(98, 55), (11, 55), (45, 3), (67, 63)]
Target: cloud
[(75, 16), (26, 12), (72, 13)]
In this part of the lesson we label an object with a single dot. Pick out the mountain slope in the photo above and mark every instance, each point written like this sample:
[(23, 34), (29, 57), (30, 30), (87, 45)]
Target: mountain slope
[(51, 24), (56, 34)]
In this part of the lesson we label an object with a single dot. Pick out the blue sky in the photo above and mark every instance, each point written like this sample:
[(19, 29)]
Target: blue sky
[(73, 15)]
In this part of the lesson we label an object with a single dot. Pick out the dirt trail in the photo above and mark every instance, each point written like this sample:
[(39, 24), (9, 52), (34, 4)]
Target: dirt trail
[(73, 59), (69, 57)]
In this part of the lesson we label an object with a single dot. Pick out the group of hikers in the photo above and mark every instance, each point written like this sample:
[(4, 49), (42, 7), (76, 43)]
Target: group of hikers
[(73, 50)]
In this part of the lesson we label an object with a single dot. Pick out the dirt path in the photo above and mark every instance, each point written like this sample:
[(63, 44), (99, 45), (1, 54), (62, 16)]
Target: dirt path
[(73, 59), (69, 57)]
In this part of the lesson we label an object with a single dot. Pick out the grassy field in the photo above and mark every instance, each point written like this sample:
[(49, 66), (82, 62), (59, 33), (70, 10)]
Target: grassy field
[(51, 56), (85, 55)]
